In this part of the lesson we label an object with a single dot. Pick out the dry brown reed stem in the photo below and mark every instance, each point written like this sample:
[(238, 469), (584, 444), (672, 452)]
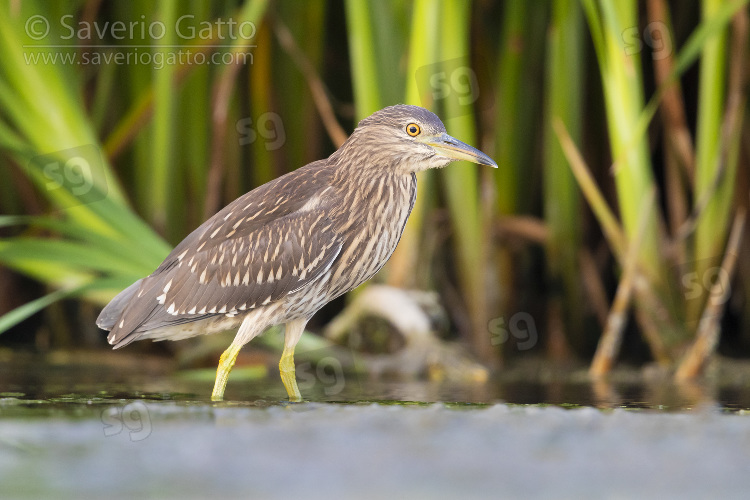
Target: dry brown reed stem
[(679, 154), (141, 112), (650, 331), (318, 90), (731, 123), (650, 309), (611, 339), (592, 283), (586, 182), (526, 227), (672, 104), (707, 336), (219, 113)]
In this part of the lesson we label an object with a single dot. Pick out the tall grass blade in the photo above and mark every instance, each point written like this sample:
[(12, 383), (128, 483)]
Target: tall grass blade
[(564, 91)]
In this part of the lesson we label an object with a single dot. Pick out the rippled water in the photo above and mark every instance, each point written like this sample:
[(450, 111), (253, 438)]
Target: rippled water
[(76, 429)]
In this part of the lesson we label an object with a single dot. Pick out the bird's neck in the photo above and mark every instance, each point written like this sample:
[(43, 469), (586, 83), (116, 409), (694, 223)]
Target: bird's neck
[(370, 189)]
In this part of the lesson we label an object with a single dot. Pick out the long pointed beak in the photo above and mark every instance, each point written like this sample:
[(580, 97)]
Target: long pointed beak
[(452, 148)]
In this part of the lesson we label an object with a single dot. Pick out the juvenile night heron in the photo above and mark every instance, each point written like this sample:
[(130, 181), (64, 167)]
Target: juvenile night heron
[(277, 254)]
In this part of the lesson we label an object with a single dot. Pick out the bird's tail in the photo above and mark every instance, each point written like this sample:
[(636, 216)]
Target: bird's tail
[(134, 311), (112, 312)]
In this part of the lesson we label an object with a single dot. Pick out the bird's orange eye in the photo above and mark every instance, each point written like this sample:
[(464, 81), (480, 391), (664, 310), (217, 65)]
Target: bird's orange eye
[(413, 129)]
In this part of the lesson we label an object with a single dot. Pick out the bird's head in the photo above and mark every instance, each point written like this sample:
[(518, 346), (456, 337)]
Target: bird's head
[(408, 138)]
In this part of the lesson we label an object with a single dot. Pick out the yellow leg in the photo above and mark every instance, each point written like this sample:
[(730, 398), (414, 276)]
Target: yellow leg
[(293, 332), (226, 363), (286, 368)]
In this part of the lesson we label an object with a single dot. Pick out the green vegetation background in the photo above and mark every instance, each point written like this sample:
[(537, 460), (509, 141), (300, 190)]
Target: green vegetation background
[(619, 127)]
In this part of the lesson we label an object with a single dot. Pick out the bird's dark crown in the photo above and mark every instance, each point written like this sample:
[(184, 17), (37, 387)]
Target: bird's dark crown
[(400, 115)]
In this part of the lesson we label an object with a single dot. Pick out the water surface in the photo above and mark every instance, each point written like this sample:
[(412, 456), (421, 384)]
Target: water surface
[(73, 428)]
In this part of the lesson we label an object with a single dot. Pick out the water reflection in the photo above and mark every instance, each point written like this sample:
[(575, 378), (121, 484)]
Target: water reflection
[(27, 382)]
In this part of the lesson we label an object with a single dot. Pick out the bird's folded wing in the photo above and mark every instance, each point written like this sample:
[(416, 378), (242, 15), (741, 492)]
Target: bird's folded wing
[(229, 272), (253, 267)]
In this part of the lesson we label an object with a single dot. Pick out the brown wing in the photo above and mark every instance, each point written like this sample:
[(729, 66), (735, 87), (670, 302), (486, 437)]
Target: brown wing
[(253, 267), (263, 246)]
